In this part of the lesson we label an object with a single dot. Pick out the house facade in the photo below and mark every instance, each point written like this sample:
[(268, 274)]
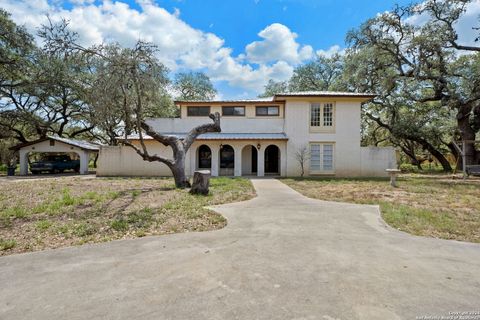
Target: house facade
[(264, 137)]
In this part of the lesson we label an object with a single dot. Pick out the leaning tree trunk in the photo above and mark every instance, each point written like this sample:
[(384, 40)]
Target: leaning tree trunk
[(178, 170), (179, 147), (439, 156)]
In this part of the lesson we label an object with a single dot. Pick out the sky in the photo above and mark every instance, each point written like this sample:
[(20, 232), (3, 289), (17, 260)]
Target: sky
[(239, 44)]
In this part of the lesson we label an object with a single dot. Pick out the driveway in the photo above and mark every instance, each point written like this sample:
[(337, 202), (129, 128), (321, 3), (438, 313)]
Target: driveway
[(282, 256)]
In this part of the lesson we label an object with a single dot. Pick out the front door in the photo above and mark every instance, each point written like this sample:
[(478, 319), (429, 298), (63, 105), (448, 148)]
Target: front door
[(272, 160)]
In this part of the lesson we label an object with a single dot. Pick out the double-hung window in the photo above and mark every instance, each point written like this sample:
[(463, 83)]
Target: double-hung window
[(322, 158), (322, 116)]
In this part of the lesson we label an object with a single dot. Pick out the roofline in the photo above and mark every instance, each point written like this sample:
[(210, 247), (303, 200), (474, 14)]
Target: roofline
[(182, 102), (339, 95), (279, 98), (215, 139), (26, 144)]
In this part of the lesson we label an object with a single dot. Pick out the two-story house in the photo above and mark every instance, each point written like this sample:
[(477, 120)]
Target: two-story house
[(264, 137)]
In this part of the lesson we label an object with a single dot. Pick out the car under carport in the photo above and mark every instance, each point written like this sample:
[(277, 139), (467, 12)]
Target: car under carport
[(53, 144)]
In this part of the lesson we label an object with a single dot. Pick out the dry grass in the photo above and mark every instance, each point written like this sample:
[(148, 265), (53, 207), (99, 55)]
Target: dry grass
[(435, 206), (56, 212)]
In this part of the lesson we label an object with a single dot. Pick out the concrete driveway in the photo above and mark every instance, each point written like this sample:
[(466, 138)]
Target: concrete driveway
[(282, 256)]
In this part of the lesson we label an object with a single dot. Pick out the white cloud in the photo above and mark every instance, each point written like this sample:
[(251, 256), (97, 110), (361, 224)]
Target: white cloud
[(278, 44), (331, 51), (471, 18), (180, 45), (81, 2)]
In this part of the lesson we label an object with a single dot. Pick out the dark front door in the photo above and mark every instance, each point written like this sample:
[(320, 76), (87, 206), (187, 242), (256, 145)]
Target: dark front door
[(272, 159)]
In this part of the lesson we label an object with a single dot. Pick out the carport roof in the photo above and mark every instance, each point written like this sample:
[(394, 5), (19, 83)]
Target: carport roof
[(76, 143)]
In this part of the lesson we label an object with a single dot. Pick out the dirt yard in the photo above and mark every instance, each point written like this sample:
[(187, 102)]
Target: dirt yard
[(36, 214)]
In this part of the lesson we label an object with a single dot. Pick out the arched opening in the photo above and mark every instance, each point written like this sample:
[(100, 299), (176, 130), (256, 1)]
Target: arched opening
[(227, 160), (204, 157), (272, 160), (249, 160)]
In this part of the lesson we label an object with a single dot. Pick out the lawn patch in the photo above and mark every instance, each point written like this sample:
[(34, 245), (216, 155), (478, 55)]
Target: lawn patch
[(51, 213)]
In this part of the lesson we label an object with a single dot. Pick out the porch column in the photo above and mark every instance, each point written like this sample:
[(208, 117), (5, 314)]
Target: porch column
[(215, 162), (23, 155), (283, 160), (238, 162), (84, 157), (261, 162)]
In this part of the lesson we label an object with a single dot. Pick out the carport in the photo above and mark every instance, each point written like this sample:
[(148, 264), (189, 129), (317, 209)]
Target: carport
[(52, 144)]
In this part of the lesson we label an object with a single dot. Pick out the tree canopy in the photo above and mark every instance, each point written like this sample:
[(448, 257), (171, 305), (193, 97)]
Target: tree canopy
[(193, 86), (61, 88), (427, 83)]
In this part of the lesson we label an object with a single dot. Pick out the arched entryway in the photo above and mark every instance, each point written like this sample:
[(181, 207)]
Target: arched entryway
[(204, 157), (249, 160), (227, 160), (272, 160)]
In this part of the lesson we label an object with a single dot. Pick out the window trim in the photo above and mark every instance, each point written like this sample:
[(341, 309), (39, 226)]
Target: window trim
[(321, 127), (321, 171), (267, 115), (234, 115), (198, 107)]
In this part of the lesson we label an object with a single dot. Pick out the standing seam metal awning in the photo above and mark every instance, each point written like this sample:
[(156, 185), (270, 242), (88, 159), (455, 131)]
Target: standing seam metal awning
[(223, 136)]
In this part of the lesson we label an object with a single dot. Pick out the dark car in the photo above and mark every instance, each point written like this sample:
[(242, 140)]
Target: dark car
[(54, 164)]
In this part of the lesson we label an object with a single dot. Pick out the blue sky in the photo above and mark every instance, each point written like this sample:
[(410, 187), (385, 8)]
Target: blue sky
[(321, 23), (239, 44)]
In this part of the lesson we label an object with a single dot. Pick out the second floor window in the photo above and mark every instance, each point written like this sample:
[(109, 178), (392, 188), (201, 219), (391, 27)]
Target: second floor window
[(267, 111), (198, 111), (233, 111), (321, 115)]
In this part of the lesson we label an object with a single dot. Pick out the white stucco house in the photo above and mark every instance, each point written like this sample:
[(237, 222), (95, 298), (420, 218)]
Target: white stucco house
[(261, 137)]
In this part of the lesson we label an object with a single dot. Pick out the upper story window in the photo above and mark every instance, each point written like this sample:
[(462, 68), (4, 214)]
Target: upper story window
[(321, 115), (198, 111), (233, 111), (267, 111)]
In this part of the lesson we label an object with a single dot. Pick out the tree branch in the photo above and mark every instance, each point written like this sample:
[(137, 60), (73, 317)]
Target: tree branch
[(195, 132), (145, 156)]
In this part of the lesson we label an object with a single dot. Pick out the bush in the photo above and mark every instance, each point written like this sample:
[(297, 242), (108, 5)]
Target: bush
[(408, 167), (426, 168)]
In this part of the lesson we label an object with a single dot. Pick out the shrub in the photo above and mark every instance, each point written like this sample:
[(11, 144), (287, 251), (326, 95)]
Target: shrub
[(7, 244), (119, 225)]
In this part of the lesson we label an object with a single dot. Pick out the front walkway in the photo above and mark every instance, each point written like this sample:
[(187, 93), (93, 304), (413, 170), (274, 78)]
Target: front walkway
[(282, 256)]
